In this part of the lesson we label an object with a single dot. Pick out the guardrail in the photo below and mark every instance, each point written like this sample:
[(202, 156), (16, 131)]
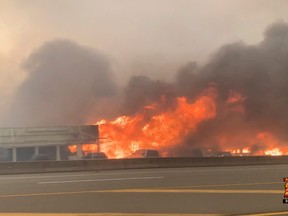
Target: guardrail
[(113, 164)]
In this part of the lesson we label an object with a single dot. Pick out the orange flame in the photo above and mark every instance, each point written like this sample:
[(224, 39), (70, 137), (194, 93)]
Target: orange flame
[(154, 128), (161, 128), (266, 143)]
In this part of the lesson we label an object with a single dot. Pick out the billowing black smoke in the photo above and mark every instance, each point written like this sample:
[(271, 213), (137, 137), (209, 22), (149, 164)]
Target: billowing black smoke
[(259, 72), (142, 91), (66, 83)]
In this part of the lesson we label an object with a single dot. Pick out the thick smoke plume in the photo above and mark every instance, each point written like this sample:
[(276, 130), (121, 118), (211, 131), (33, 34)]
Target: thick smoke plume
[(258, 72), (68, 84)]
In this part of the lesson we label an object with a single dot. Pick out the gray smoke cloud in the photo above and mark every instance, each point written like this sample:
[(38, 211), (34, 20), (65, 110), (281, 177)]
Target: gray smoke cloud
[(66, 84), (259, 72), (142, 91)]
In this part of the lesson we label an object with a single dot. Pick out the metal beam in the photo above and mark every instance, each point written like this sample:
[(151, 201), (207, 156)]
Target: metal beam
[(44, 136)]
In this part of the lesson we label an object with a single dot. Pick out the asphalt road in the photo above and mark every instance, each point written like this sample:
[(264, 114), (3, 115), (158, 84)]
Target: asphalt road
[(219, 190)]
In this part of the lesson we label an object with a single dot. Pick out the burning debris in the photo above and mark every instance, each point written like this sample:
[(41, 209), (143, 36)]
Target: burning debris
[(247, 117), (157, 127), (235, 103)]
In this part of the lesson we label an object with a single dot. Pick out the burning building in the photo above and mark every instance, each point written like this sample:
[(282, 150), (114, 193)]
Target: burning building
[(235, 103)]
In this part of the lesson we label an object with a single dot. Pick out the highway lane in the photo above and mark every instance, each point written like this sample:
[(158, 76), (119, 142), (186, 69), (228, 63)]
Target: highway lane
[(218, 190)]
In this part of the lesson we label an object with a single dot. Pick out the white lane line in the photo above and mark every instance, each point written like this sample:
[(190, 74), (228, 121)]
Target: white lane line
[(101, 180), (184, 170), (73, 175)]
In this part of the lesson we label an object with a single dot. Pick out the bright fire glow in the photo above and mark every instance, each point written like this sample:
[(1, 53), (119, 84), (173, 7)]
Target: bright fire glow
[(163, 127), (246, 151), (155, 128), (273, 152), (84, 148)]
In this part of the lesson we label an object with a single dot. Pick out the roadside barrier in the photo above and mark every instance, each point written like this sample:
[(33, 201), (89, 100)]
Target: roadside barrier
[(114, 164)]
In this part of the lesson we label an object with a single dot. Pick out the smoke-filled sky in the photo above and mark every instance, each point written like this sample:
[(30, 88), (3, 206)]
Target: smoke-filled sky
[(45, 43)]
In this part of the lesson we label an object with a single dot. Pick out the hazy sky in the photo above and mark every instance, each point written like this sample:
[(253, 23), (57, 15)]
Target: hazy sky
[(139, 36)]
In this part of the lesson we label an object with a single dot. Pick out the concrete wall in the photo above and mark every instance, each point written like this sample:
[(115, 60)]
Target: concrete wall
[(97, 165)]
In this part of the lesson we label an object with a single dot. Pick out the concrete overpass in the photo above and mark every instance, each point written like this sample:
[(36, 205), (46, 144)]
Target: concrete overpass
[(17, 142)]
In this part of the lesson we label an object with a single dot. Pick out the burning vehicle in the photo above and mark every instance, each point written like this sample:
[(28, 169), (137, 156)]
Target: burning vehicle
[(95, 156), (145, 153)]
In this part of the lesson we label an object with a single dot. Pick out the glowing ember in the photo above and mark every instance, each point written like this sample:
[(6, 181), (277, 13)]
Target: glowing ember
[(85, 148), (72, 148), (273, 152), (246, 151)]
